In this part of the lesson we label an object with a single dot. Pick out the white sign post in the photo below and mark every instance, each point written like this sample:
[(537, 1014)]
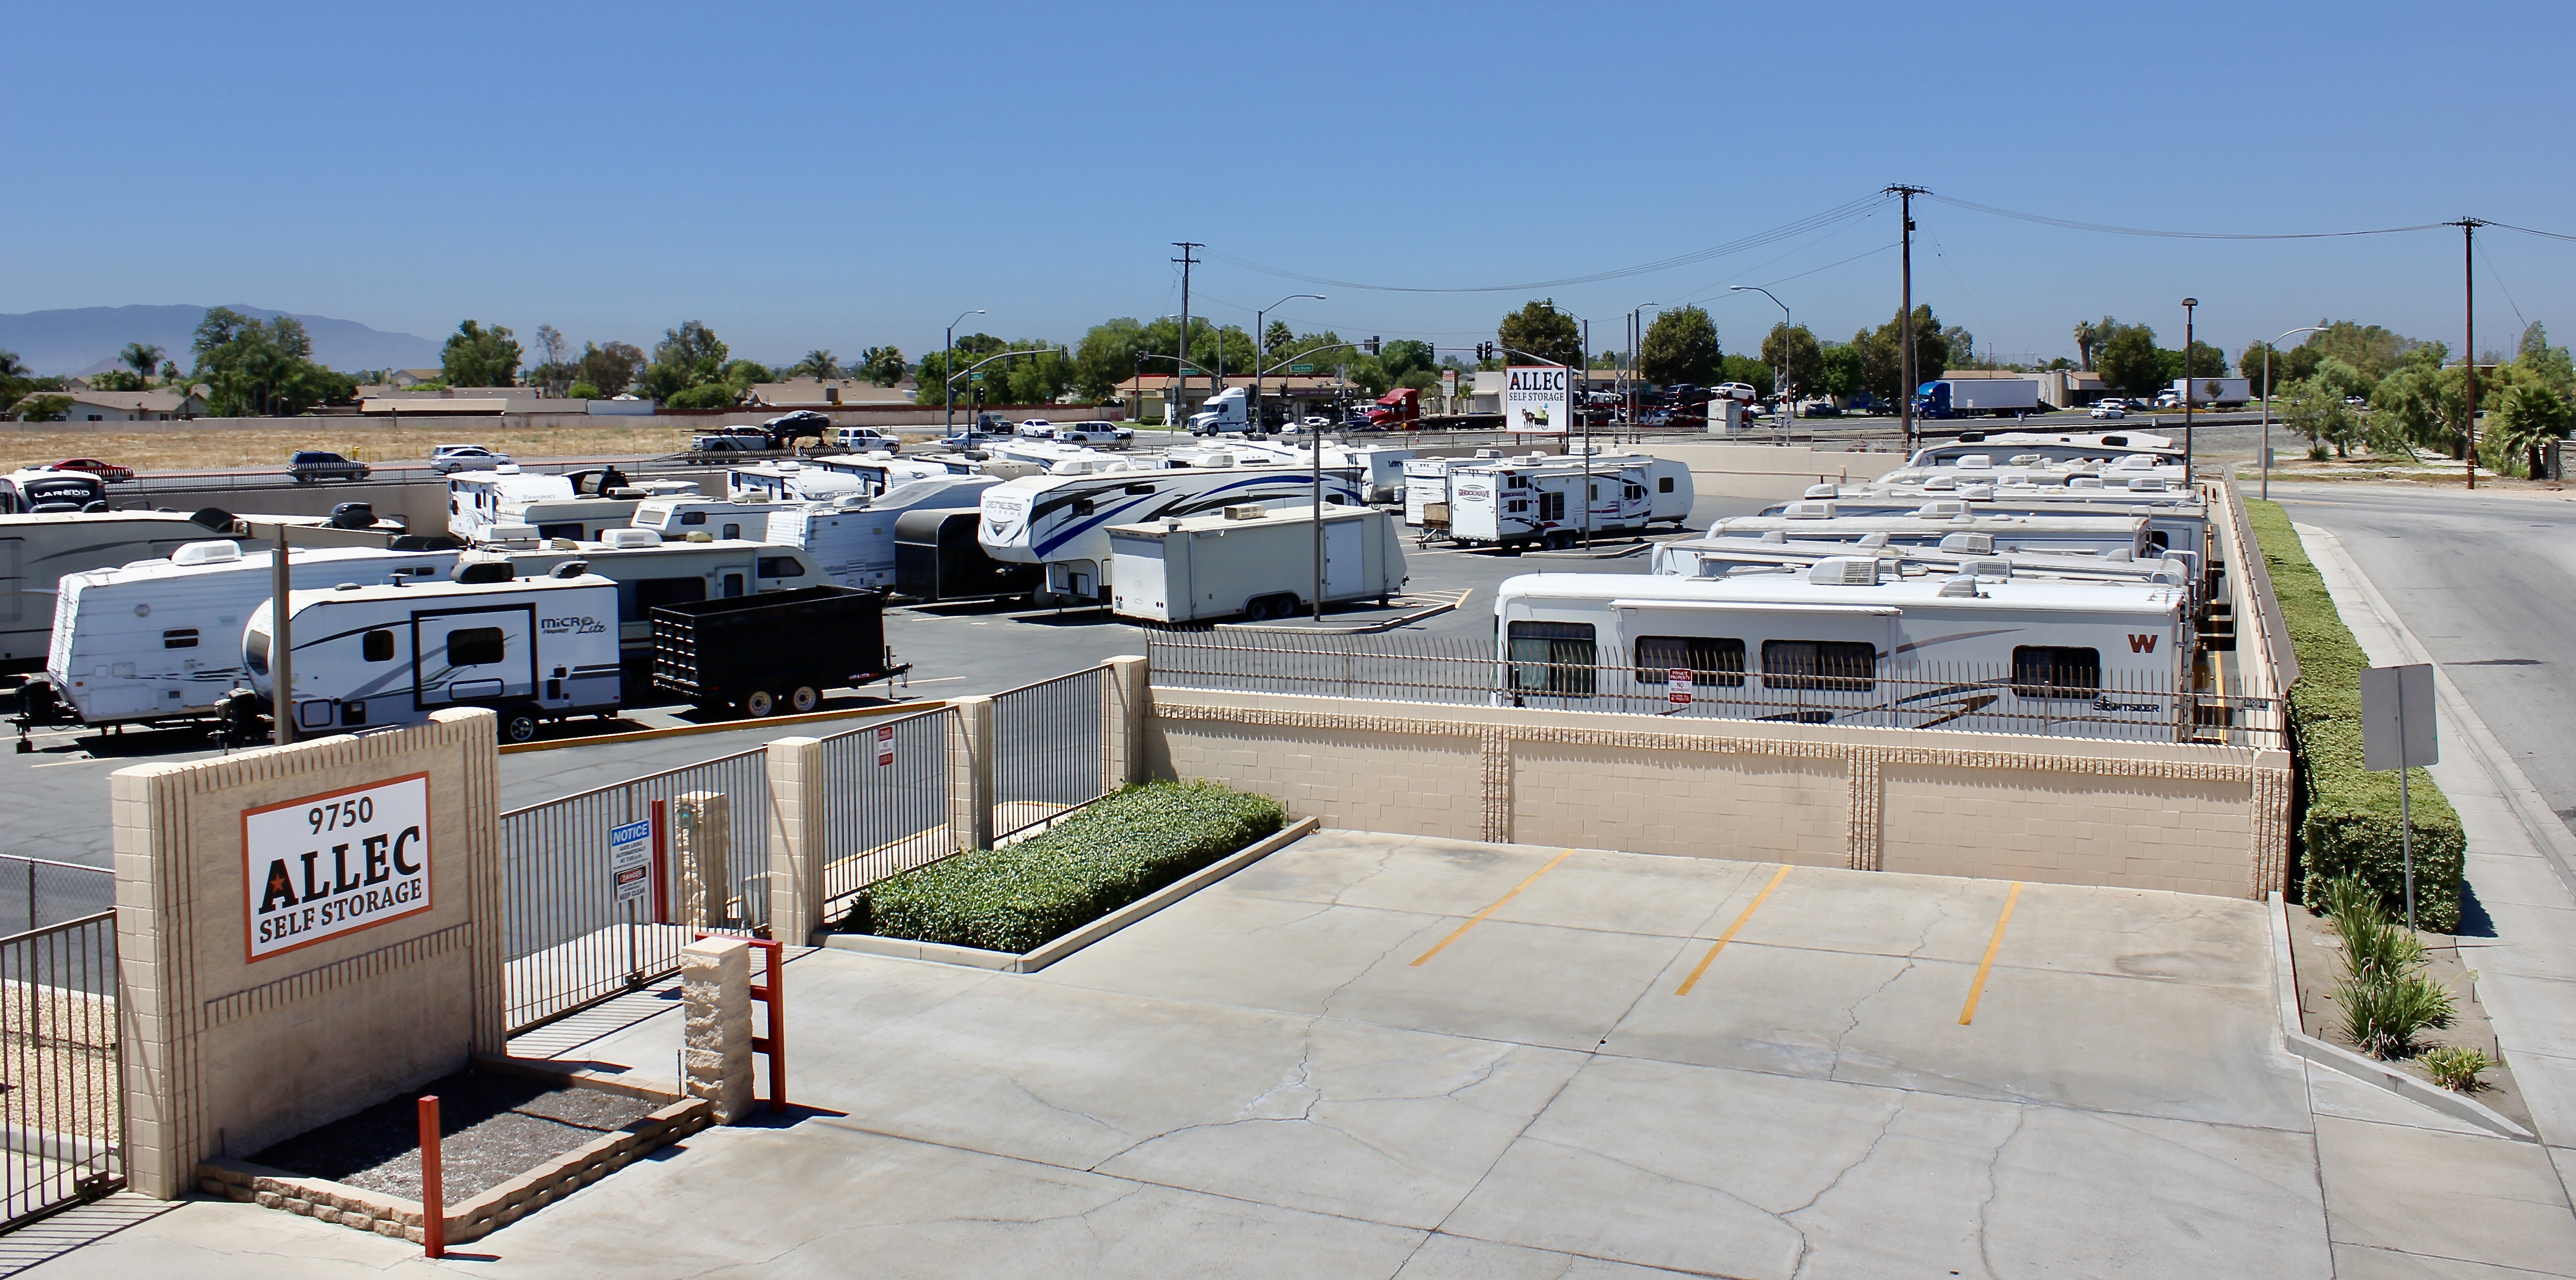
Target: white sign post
[(326, 865), (2397, 721), (1538, 398)]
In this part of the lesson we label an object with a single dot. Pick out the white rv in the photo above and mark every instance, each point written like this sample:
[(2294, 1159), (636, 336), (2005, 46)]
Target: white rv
[(37, 551), (1254, 562), (852, 543), (1062, 522), (2177, 521), (1383, 466), (2053, 447), (1668, 482), (1814, 520), (792, 482), (1522, 503), (158, 639), (486, 507), (678, 517), (1719, 555), (1847, 643), (43, 490), (366, 656)]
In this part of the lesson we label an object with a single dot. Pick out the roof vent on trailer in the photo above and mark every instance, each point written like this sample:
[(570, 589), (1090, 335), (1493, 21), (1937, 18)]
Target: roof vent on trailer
[(1808, 511), (625, 539), (1873, 540), (2147, 484), (196, 553), (1976, 462), (1823, 491), (479, 572), (1845, 571), (1246, 511), (1978, 493), (1942, 510), (1775, 537), (1975, 544), (1998, 567), (1959, 588), (571, 569), (1941, 483), (2136, 462), (2084, 482)]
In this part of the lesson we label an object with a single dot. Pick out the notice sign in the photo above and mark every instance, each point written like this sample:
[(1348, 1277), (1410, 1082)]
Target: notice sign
[(322, 866), (1677, 686), (1537, 398), (885, 746), (630, 859)]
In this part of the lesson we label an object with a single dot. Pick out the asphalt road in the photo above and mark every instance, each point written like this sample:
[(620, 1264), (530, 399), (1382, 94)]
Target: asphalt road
[(2487, 582)]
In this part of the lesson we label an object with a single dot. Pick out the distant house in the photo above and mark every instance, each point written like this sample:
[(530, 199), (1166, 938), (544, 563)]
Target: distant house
[(815, 393), (2070, 388), (388, 398), (401, 378), (131, 406)]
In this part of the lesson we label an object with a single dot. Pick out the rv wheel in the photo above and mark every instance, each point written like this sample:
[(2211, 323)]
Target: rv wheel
[(519, 725), (804, 698), (760, 704)]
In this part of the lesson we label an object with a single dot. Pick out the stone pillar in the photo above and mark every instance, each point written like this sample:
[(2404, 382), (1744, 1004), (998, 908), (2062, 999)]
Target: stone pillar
[(701, 838), (970, 772), (1122, 722), (796, 854), (715, 983)]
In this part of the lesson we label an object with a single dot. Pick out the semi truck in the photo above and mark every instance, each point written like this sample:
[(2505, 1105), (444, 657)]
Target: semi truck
[(1252, 561), (1225, 413), (1397, 410), (1969, 397), (2220, 392)]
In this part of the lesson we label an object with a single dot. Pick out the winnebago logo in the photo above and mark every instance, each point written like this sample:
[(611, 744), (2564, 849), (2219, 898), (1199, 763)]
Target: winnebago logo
[(2142, 644), (584, 625)]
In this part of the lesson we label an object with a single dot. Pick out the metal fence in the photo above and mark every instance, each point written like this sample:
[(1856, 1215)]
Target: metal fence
[(1813, 685), (35, 892), (1048, 752), (61, 1122), (885, 801), (569, 942)]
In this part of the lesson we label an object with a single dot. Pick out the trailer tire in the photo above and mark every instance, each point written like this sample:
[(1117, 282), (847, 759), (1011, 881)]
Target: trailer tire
[(519, 724), (760, 704), (804, 698)]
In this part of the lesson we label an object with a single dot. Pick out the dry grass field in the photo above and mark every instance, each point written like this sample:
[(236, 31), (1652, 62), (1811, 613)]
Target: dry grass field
[(218, 448)]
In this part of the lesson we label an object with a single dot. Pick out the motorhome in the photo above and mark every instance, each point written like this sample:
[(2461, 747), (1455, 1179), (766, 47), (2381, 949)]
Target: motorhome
[(1718, 555), (676, 518), (1062, 521), (159, 640), (2055, 447), (532, 650), (1521, 503), (41, 490), (1382, 465), (2102, 534), (852, 542), (1848, 643), (491, 506)]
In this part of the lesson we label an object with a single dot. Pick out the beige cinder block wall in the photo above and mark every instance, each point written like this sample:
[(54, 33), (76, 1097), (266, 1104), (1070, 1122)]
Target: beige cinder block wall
[(228, 1053), (2196, 819)]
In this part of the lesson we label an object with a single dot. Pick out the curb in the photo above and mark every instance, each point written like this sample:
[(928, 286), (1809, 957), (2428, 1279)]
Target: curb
[(1005, 962)]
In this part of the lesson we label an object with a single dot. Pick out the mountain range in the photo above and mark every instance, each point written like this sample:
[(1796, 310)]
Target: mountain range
[(80, 340)]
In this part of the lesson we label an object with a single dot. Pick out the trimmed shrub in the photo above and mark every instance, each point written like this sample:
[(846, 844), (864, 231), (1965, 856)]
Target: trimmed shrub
[(2349, 826), (1019, 897)]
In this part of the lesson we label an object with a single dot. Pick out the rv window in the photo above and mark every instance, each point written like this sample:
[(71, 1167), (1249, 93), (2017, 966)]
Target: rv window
[(1517, 504), (1140, 488), (1634, 492), (732, 585), (1664, 485), (693, 517), (781, 567), (255, 652), (1819, 664), (184, 638), (637, 600), (1551, 506), (377, 646), (732, 532), (1552, 657), (572, 530), (474, 647), (1516, 482), (1083, 506), (2055, 671), (1711, 661)]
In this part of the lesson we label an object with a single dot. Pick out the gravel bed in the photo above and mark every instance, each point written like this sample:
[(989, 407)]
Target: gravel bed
[(498, 1127)]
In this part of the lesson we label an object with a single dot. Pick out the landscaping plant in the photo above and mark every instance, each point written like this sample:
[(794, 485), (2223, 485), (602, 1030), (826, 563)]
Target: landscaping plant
[(2456, 1067), (2386, 1000), (1119, 849)]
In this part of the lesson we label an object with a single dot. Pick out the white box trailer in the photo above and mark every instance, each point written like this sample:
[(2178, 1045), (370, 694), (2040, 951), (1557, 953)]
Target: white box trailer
[(1252, 561), (161, 639), (532, 650), (1545, 503)]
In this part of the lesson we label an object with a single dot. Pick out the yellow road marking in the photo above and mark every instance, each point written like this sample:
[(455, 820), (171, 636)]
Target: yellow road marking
[(1994, 944), (1729, 935), (1479, 917)]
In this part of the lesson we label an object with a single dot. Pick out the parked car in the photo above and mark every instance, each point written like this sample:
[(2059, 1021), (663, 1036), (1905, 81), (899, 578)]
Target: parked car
[(2357, 402), (731, 441), (866, 439), (804, 424), (107, 472), (1315, 422), (1737, 391), (2110, 409), (309, 466), (448, 459), (1106, 435), (1820, 409), (1036, 429)]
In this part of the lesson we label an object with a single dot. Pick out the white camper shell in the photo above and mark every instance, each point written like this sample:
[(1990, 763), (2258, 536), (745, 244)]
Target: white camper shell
[(1063, 522), (161, 639), (1847, 643), (1544, 503), (1252, 561)]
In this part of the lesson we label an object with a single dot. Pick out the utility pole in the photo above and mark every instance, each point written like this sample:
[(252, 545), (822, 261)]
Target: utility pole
[(2469, 358), (2187, 305), (281, 646), (1181, 402), (1905, 394)]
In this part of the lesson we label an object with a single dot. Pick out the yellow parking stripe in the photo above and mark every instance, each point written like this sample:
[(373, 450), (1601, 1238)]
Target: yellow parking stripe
[(1729, 935), (1479, 917), (1977, 988)]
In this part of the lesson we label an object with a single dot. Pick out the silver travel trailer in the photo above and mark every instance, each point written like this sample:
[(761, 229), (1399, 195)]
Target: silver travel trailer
[(1063, 522), (852, 542), (532, 650), (1815, 520), (1251, 561), (1669, 491), (1718, 556), (159, 640), (37, 551), (1550, 503), (677, 518), (1847, 643), (829, 479), (2177, 520), (2053, 447), (508, 505)]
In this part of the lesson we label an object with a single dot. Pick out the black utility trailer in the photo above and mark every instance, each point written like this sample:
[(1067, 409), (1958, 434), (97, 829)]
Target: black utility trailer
[(774, 652), (936, 557)]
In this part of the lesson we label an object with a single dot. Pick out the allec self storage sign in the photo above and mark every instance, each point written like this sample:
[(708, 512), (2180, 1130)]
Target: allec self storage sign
[(331, 864)]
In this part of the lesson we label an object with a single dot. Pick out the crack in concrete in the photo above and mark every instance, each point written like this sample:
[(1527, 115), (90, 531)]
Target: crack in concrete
[(1994, 1188), (1805, 1246)]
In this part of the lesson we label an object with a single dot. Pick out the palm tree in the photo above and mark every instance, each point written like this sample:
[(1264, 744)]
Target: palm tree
[(2530, 417), (141, 358), (2087, 337), (819, 363)]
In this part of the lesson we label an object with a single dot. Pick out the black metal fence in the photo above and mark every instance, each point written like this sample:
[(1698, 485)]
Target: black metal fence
[(1806, 683), (569, 940), (35, 892), (1048, 752), (61, 1119), (885, 801)]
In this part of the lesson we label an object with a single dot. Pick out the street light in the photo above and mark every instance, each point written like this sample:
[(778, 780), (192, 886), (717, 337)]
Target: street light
[(2267, 402), (2187, 305), (1260, 342), (947, 372), (1779, 390), (1636, 339)]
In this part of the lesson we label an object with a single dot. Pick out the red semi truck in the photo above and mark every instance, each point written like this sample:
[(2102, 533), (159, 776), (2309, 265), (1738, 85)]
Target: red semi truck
[(1397, 410)]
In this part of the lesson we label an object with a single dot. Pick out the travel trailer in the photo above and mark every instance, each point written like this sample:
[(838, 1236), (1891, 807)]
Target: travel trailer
[(37, 551), (1817, 520), (852, 542), (1522, 503), (1063, 522), (676, 518), (2054, 447), (39, 490), (1718, 556), (532, 650), (493, 506)]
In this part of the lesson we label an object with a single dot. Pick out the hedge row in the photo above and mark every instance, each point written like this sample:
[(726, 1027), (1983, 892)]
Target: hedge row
[(2349, 823), (1018, 897)]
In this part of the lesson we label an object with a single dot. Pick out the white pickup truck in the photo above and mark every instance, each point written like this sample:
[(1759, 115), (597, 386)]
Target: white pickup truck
[(1101, 435)]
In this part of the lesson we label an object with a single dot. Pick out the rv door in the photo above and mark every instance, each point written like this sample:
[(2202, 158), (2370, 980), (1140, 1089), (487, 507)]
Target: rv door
[(481, 656)]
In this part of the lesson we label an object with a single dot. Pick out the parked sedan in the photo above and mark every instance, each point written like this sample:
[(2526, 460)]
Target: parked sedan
[(107, 472), (448, 459), (309, 466), (2109, 410)]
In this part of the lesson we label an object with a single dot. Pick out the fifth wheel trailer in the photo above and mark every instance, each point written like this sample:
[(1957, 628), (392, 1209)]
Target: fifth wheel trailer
[(1252, 561)]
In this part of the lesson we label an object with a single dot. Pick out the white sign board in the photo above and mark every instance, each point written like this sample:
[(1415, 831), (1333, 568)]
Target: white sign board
[(1537, 398), (630, 859), (1677, 686), (2397, 718), (326, 865)]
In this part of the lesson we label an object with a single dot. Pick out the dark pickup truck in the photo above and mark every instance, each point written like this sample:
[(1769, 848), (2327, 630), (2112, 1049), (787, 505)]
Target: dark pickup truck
[(772, 653)]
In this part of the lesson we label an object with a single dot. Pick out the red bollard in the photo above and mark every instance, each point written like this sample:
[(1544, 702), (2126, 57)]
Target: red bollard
[(433, 1197)]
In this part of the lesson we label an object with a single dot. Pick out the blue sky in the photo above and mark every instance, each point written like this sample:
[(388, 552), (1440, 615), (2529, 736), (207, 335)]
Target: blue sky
[(840, 176)]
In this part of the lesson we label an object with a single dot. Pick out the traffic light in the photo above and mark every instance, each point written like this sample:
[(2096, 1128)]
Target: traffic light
[(1369, 346), (1484, 351), (979, 397)]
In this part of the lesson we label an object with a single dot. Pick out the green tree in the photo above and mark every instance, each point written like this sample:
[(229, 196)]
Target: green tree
[(2375, 351), (1806, 361), (705, 395), (2250, 364), (586, 391), (1753, 371), (1406, 357), (1106, 357), (142, 358), (2130, 362), (119, 380), (1842, 369), (552, 371), (2527, 417), (821, 365), (1680, 346), (1275, 342), (741, 374), (1540, 330), (882, 366), (41, 407), (2317, 410), (256, 367), (609, 370), (2086, 336), (478, 357), (689, 356), (1882, 349)]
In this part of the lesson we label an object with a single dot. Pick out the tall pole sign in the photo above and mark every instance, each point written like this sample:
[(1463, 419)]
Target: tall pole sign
[(1537, 398)]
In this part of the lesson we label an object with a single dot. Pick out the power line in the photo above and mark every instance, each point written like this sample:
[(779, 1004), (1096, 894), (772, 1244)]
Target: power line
[(2525, 230), (2106, 228), (1812, 222)]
